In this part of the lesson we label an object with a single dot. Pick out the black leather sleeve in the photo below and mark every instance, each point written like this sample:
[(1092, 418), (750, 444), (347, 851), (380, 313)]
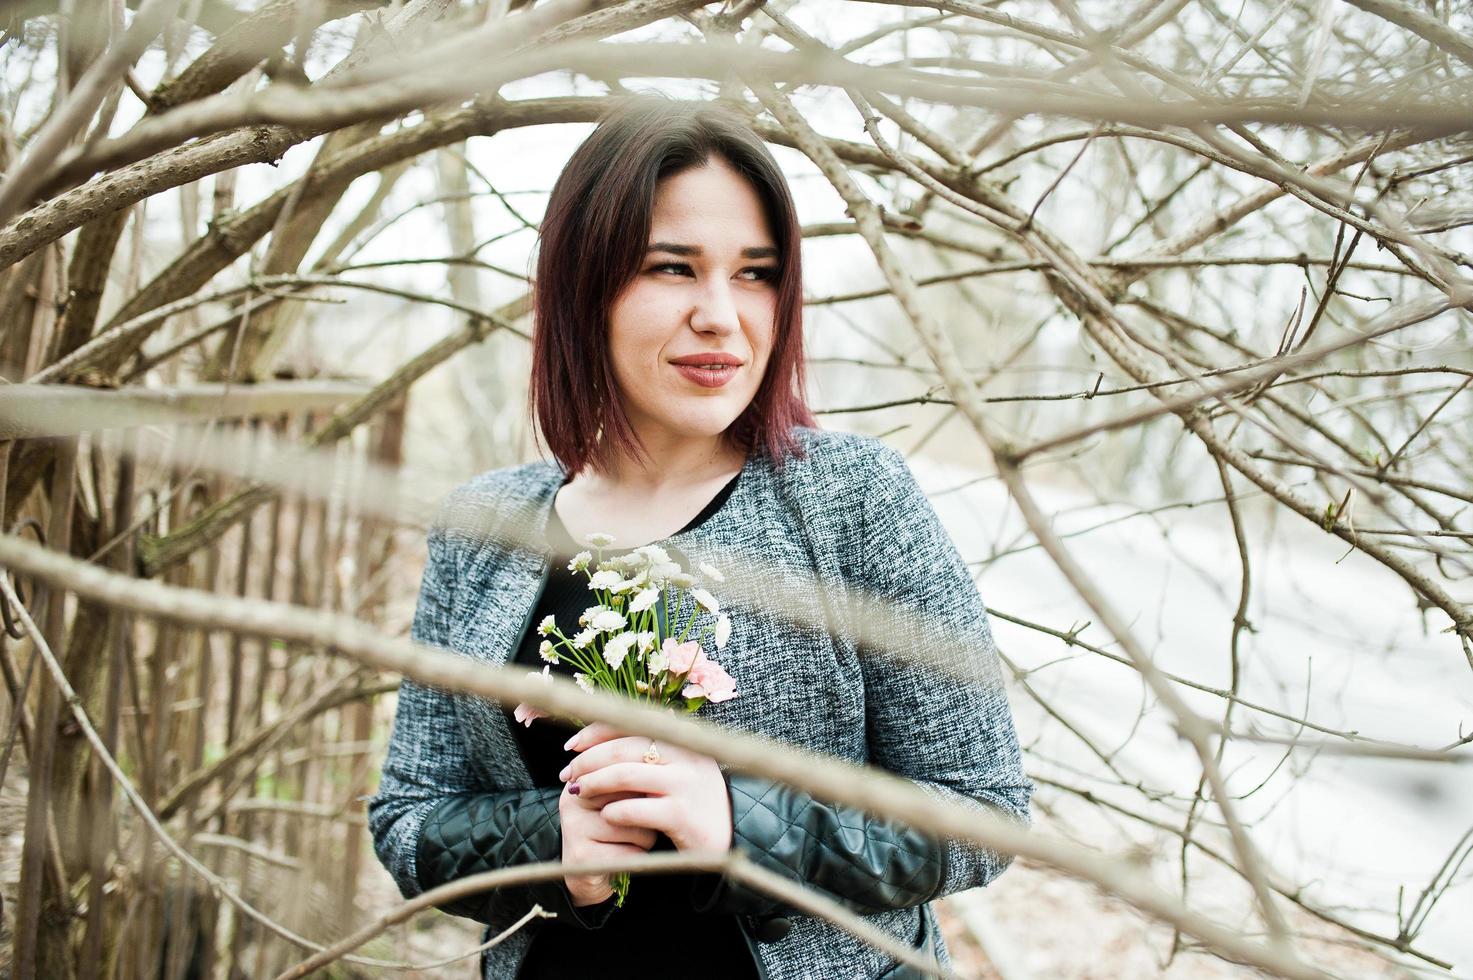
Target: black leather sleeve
[(471, 833), (867, 863)]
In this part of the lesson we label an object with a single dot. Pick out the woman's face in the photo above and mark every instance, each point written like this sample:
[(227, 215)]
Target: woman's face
[(706, 292)]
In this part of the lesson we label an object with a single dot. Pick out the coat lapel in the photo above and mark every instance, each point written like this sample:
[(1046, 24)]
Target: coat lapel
[(501, 584)]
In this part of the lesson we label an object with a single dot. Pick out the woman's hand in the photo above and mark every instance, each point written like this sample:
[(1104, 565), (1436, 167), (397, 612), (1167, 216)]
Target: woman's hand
[(589, 836), (683, 795)]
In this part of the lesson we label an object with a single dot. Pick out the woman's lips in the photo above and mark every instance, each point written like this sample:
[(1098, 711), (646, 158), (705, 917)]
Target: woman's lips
[(708, 377)]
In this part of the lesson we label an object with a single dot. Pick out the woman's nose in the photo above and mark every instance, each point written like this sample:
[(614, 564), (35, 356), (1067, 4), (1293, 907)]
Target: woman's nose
[(715, 309)]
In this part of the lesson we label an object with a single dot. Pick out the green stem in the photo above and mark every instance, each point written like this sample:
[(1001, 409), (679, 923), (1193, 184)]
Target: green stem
[(691, 621), (584, 665)]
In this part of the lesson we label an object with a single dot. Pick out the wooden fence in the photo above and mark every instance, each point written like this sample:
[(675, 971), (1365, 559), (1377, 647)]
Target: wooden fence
[(259, 752)]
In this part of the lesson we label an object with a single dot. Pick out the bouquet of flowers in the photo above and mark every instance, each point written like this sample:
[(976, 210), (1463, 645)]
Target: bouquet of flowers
[(626, 645)]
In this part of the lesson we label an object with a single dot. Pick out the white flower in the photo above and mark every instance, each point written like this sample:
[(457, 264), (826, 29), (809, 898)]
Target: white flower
[(653, 553), (646, 641), (582, 681), (723, 630), (580, 562), (707, 600), (682, 580), (547, 625), (598, 539), (586, 617), (605, 579), (644, 600), (711, 572), (638, 580), (546, 652), (628, 584), (618, 648), (607, 621), (583, 638), (657, 662)]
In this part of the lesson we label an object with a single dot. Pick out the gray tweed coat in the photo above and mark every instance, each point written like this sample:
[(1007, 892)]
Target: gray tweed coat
[(851, 514)]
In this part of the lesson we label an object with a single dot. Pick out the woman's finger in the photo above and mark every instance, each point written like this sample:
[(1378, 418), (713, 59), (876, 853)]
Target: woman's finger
[(614, 833), (624, 749), (592, 803), (652, 812), (601, 733), (604, 851), (590, 735), (625, 777)]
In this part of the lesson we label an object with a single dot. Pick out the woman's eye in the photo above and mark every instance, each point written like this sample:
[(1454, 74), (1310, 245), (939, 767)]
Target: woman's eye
[(765, 273)]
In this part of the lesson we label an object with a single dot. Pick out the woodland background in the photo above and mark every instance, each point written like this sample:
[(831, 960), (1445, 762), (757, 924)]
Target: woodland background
[(1166, 302)]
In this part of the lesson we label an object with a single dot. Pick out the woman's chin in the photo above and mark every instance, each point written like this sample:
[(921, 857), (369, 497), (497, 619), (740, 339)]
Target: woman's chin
[(703, 416), (708, 431), (701, 425)]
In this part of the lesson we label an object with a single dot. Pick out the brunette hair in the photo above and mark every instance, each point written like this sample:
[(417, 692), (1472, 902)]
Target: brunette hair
[(592, 244)]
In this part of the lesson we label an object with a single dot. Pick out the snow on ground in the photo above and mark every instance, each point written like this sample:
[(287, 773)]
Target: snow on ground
[(1336, 639)]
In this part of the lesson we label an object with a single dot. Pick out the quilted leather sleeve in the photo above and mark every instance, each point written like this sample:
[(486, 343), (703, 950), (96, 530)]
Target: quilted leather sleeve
[(867, 863), (466, 835)]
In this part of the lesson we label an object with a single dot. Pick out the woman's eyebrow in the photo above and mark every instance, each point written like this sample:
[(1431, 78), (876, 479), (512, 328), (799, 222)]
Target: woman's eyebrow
[(676, 248)]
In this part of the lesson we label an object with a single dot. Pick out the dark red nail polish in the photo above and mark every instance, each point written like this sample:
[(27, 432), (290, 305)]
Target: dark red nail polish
[(574, 789)]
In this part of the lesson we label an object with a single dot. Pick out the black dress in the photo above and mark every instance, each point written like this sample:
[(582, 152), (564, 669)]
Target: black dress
[(658, 915)]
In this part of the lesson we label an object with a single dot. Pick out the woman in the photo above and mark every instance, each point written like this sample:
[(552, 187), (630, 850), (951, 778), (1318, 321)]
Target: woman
[(668, 384)]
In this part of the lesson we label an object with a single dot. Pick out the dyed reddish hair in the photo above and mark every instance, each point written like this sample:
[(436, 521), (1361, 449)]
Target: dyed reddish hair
[(592, 244)]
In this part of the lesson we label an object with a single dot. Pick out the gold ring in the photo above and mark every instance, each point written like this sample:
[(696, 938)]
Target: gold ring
[(652, 754)]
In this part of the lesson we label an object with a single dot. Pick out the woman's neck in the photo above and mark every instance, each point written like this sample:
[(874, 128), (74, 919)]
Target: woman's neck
[(646, 506), (671, 466)]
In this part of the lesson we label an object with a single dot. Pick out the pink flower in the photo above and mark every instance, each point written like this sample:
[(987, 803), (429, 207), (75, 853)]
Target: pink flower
[(525, 713), (708, 679), (681, 658)]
